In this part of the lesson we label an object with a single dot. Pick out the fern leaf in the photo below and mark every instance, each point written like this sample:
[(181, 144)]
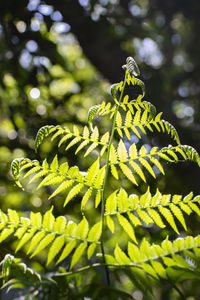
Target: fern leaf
[(114, 172), (95, 232), (95, 134), (86, 198), (111, 203), (113, 155), (82, 229), (122, 201), (43, 132), (92, 172), (122, 152), (5, 233), (35, 240), (128, 173), (47, 240), (25, 239), (135, 220), (36, 220), (120, 256), (91, 250), (178, 214), (78, 253), (127, 227), (137, 169), (169, 217), (144, 217), (147, 166), (54, 164), (91, 148), (97, 198), (73, 142), (82, 145), (156, 162), (55, 248), (133, 151), (98, 181), (73, 192), (63, 186), (67, 250), (156, 217), (13, 217), (110, 223)]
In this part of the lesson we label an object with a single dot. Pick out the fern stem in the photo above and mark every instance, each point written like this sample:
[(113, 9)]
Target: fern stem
[(106, 177)]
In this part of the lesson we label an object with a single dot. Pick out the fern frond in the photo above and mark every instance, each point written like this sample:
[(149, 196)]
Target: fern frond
[(170, 154), (63, 176), (150, 208), (142, 115), (84, 138), (46, 231), (170, 253)]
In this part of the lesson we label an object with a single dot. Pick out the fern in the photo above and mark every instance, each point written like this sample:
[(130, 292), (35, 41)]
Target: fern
[(115, 154)]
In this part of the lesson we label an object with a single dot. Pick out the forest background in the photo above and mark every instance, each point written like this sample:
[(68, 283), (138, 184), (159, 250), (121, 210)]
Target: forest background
[(58, 58)]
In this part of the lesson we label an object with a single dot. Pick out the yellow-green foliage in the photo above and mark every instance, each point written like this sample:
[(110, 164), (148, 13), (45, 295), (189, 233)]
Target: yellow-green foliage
[(120, 159)]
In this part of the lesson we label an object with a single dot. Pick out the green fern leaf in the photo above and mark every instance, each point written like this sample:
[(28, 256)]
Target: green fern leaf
[(73, 192), (66, 137), (35, 240), (148, 167), (25, 239), (67, 250), (86, 198), (133, 151), (48, 220), (73, 142), (134, 253), (135, 220), (128, 173), (120, 256), (114, 172), (178, 214), (144, 217), (91, 148), (54, 164), (43, 132), (122, 152), (194, 207), (31, 171), (95, 232), (127, 227), (111, 203), (63, 186), (110, 223), (5, 233), (39, 175), (156, 217), (113, 155), (13, 217), (122, 201), (47, 240), (156, 162), (82, 229), (137, 169), (92, 172), (55, 248), (60, 224), (91, 250), (98, 198), (77, 254), (169, 217)]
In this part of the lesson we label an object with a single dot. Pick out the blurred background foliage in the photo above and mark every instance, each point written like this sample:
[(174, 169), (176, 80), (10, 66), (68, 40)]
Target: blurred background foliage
[(58, 58)]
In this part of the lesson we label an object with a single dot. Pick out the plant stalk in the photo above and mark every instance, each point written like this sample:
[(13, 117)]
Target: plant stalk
[(105, 180)]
